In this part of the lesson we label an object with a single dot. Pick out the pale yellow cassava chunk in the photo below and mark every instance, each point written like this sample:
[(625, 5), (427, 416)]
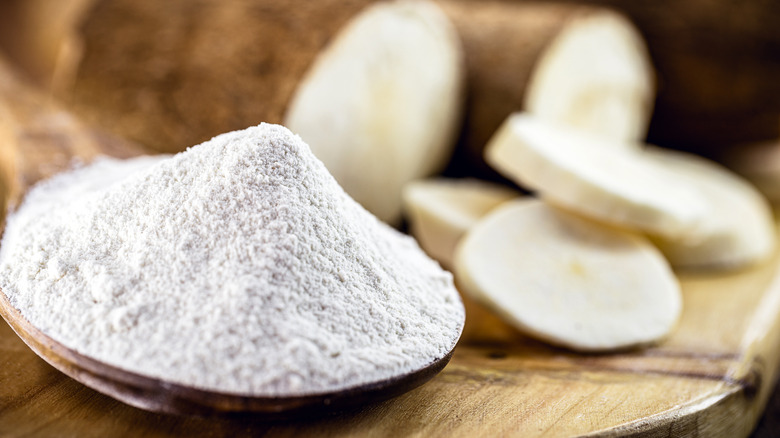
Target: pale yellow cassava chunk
[(596, 76), (596, 178), (740, 229), (441, 210), (568, 280), (380, 105)]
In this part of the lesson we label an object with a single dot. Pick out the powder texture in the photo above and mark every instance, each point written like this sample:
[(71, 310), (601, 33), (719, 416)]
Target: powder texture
[(238, 266)]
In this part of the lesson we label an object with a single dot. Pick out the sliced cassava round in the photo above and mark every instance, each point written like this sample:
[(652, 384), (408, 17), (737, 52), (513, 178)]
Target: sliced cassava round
[(612, 92), (568, 280), (739, 230), (441, 210), (717, 65), (581, 65), (596, 177), (380, 105)]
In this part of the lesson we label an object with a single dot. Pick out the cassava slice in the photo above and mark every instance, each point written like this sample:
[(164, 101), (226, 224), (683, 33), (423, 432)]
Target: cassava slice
[(718, 64), (567, 280), (738, 231), (612, 92), (573, 64), (441, 210), (596, 177), (380, 104)]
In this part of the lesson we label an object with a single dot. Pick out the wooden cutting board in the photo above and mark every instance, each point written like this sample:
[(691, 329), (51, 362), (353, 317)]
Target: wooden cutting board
[(710, 378)]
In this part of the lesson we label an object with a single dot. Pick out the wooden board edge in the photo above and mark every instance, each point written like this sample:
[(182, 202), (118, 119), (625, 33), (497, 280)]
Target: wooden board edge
[(736, 409)]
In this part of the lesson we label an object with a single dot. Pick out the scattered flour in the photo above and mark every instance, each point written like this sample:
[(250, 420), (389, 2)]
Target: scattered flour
[(238, 266)]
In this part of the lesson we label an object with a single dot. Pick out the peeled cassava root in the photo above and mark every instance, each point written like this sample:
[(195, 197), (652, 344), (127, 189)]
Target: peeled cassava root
[(595, 177), (381, 103), (567, 280), (440, 211), (582, 66), (700, 214), (611, 93), (738, 231), (718, 62)]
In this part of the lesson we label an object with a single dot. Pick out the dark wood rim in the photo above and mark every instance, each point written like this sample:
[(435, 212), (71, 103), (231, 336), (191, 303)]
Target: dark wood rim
[(159, 396)]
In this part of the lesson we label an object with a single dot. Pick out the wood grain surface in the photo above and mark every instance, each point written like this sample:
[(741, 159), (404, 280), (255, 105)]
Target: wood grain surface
[(38, 138)]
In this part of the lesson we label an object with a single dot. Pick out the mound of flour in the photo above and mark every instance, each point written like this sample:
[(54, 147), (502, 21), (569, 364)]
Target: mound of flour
[(238, 266)]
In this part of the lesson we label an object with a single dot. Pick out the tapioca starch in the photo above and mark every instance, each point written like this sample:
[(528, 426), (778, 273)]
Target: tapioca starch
[(238, 266)]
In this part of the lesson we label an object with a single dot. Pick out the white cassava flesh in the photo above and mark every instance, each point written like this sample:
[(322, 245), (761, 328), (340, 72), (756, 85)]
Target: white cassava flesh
[(596, 76), (440, 211), (380, 105), (568, 280), (590, 175), (739, 230)]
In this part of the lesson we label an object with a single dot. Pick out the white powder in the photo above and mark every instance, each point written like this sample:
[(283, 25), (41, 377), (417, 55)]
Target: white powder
[(238, 266)]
